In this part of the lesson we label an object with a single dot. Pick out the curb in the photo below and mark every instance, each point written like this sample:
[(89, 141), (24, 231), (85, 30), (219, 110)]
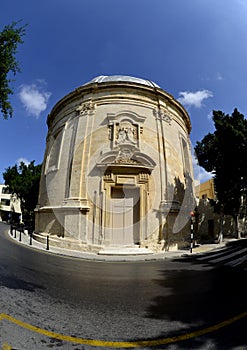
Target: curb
[(24, 239)]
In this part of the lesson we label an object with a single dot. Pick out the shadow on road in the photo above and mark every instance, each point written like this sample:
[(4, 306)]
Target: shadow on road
[(200, 295), (14, 282)]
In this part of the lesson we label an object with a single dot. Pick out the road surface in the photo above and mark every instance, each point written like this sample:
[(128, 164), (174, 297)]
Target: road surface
[(195, 302)]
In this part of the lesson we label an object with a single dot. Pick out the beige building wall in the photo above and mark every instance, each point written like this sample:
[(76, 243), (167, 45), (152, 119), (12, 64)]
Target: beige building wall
[(206, 190), (209, 222), (9, 205), (117, 169)]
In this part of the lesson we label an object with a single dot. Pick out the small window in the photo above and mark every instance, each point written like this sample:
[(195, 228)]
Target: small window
[(5, 201), (5, 190)]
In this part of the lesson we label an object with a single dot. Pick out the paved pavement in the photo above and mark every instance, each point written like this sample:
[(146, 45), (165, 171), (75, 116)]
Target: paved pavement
[(25, 240)]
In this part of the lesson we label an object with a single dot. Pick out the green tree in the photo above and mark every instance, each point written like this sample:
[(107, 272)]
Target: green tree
[(224, 154), (23, 180), (10, 37)]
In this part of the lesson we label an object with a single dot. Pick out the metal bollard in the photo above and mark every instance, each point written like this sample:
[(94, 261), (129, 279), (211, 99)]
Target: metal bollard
[(20, 236), (31, 237), (192, 215), (15, 232), (191, 237), (47, 242)]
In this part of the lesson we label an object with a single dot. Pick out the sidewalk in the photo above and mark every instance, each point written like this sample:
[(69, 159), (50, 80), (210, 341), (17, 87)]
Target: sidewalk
[(25, 240)]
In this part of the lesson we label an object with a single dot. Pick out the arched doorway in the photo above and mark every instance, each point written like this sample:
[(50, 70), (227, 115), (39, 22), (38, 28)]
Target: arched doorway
[(125, 179)]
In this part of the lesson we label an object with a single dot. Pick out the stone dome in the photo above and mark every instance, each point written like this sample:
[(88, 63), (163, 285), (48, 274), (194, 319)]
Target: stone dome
[(121, 78)]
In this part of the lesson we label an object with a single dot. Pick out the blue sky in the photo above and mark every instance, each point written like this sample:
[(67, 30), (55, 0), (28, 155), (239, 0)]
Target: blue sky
[(194, 49)]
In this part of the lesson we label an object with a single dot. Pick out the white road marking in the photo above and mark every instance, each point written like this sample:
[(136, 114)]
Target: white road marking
[(228, 256), (237, 261), (222, 252)]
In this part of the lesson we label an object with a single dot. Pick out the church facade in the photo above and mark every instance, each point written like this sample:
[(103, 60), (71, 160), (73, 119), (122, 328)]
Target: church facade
[(117, 169)]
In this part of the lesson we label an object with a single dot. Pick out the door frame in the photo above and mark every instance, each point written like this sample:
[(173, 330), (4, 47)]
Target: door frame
[(138, 180), (129, 234)]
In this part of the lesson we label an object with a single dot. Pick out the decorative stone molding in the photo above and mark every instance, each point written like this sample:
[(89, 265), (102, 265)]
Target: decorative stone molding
[(125, 115), (108, 176), (125, 157), (125, 128), (81, 203), (125, 180), (161, 115), (86, 108), (143, 177)]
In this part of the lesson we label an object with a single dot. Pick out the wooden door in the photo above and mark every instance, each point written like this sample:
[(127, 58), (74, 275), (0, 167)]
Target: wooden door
[(125, 214)]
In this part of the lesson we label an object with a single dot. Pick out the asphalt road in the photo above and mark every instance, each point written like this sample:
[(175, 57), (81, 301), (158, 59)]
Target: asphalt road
[(120, 302)]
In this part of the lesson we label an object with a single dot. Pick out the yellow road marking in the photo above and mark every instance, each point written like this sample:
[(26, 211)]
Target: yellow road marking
[(122, 344), (6, 346)]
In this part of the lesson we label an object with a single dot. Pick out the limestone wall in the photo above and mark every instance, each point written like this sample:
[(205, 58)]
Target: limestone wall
[(105, 142)]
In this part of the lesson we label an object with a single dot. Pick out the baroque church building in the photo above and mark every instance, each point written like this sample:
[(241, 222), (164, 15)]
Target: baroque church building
[(117, 171)]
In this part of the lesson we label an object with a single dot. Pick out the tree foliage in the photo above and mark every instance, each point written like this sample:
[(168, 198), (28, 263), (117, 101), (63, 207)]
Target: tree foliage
[(23, 180), (224, 154), (10, 37)]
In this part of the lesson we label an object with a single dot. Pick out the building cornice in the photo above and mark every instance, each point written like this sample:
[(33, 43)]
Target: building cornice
[(118, 89)]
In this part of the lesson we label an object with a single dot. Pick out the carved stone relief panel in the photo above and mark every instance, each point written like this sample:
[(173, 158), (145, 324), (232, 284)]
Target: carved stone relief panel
[(126, 132), (125, 129), (124, 156)]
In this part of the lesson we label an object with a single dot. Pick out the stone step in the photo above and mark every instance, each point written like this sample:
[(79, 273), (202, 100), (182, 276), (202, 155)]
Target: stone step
[(134, 250)]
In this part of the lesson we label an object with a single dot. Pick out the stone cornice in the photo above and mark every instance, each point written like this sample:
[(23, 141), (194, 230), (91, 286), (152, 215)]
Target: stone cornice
[(155, 94)]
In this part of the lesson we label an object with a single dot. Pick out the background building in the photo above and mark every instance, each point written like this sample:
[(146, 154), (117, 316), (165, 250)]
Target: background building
[(117, 169), (210, 222), (9, 205), (206, 190)]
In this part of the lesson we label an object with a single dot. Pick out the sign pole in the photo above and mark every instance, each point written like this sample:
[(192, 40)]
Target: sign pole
[(192, 215)]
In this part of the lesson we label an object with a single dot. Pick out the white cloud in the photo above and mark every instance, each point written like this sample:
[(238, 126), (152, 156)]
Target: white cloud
[(210, 116), (34, 98), (200, 174), (194, 99), (219, 76), (22, 160)]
